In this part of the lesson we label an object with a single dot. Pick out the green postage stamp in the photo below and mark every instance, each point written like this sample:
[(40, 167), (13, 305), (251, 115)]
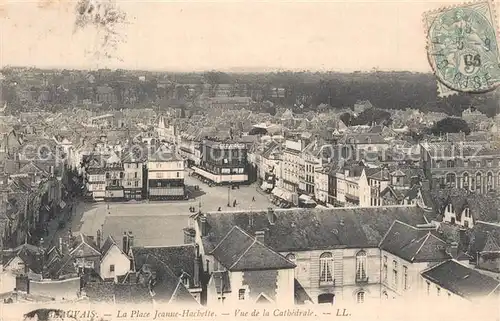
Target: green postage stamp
[(462, 47)]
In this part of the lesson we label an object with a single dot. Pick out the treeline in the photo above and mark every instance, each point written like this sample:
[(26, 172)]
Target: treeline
[(305, 90)]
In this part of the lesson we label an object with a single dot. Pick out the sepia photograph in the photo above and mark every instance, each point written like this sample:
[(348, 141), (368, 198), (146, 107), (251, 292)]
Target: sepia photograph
[(207, 160)]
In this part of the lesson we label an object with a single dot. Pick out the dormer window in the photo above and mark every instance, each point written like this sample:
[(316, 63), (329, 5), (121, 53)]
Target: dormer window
[(467, 212), (449, 208)]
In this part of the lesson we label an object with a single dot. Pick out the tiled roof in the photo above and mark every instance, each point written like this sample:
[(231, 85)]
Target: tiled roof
[(238, 251), (483, 207), (167, 285), (178, 258), (480, 234), (307, 229), (161, 155), (84, 239), (461, 280), (414, 244), (107, 245), (451, 150)]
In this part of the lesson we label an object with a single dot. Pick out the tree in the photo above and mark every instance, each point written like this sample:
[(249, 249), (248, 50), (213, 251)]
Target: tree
[(372, 116), (346, 118), (451, 125)]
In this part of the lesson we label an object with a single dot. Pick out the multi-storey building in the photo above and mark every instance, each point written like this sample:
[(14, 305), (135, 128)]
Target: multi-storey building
[(467, 165), (407, 251), (293, 165), (165, 176), (114, 179), (339, 262), (133, 165), (352, 186), (453, 282), (223, 162)]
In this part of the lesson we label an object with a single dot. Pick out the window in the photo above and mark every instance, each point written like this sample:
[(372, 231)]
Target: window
[(428, 288), (107, 175), (361, 265), (135, 175), (136, 184), (178, 174), (241, 294), (467, 212), (291, 257), (360, 297), (159, 175), (385, 295), (385, 269), (122, 175), (438, 291), (326, 267), (395, 274), (465, 180), (405, 277), (450, 163), (112, 268)]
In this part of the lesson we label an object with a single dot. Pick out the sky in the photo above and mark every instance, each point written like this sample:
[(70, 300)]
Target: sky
[(223, 35)]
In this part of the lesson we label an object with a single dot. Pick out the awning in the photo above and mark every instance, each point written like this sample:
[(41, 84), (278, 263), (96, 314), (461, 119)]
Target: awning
[(282, 193), (306, 199), (266, 186)]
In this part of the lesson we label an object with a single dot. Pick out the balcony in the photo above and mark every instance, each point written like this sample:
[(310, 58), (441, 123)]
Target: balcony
[(329, 283), (361, 280)]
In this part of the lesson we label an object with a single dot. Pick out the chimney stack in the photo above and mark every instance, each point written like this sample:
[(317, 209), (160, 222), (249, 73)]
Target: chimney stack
[(203, 225), (98, 239), (125, 243), (452, 249), (271, 216), (260, 236), (60, 245), (196, 276), (130, 240), (189, 235)]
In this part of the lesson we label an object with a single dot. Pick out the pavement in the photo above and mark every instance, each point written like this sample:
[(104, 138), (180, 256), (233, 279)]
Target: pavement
[(162, 222)]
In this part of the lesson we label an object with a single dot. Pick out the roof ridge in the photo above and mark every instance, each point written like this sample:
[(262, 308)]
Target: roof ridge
[(225, 237), (426, 236), (244, 252)]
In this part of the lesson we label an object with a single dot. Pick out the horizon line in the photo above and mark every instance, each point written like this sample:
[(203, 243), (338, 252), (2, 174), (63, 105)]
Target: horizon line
[(235, 70)]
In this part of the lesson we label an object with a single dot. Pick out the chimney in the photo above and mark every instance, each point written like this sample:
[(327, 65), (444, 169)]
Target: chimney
[(23, 284), (196, 276), (271, 216), (346, 172), (189, 235), (203, 225), (260, 236), (60, 245), (125, 243), (98, 239), (130, 240), (452, 249)]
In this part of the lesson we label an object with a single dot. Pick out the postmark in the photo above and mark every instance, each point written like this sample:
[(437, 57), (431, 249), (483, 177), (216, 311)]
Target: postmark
[(462, 48)]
